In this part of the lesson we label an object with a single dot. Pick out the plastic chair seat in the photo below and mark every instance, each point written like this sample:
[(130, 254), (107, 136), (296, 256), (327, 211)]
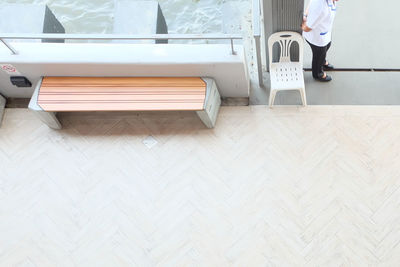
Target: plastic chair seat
[(286, 76)]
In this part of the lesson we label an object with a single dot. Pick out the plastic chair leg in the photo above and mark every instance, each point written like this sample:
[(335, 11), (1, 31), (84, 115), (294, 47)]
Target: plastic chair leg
[(303, 97), (272, 98)]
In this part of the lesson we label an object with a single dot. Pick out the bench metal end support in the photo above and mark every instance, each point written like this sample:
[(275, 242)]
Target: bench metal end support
[(49, 118), (212, 104)]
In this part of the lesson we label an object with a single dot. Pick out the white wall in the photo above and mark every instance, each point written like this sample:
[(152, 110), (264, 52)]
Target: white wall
[(84, 59)]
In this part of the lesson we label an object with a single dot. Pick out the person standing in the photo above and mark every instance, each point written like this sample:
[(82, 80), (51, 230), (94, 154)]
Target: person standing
[(317, 30)]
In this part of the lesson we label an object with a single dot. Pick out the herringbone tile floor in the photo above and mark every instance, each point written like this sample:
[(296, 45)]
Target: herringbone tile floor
[(318, 186)]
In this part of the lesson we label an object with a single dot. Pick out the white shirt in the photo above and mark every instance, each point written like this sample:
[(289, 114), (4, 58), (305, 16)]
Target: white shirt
[(321, 14)]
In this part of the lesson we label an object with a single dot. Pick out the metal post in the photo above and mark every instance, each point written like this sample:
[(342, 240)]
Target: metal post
[(233, 50), (13, 51)]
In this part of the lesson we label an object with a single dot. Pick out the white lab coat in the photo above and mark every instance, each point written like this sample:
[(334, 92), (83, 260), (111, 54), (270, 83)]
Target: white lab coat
[(321, 14)]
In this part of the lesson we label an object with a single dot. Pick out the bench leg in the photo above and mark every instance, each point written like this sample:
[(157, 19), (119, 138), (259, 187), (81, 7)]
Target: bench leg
[(207, 118), (49, 118)]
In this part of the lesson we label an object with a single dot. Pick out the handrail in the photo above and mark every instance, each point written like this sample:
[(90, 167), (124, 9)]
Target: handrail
[(57, 36), (257, 38)]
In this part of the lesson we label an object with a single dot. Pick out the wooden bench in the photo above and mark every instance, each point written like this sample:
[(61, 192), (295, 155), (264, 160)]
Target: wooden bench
[(69, 94)]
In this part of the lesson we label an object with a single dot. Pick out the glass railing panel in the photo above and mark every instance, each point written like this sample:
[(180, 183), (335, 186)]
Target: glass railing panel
[(103, 16)]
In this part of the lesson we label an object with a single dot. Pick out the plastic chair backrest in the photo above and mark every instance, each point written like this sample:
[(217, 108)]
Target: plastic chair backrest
[(285, 40)]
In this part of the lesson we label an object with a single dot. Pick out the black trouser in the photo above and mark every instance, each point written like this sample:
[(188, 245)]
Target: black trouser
[(319, 59)]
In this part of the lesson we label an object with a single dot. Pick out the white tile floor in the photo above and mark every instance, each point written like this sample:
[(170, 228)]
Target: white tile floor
[(318, 186)]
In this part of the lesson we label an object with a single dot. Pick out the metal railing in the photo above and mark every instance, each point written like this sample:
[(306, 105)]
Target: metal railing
[(257, 38), (56, 36)]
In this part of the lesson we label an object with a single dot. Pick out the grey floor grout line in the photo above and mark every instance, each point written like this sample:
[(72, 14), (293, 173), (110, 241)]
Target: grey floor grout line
[(360, 70)]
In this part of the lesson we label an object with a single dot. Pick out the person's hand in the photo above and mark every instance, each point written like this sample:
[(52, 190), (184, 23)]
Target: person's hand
[(304, 27)]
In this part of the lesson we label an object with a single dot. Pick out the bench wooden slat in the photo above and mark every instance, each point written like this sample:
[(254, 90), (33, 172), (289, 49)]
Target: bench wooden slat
[(109, 106), (124, 81), (121, 93), (133, 97), (125, 90)]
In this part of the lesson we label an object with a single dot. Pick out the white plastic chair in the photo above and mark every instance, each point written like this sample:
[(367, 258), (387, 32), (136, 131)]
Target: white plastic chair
[(285, 74)]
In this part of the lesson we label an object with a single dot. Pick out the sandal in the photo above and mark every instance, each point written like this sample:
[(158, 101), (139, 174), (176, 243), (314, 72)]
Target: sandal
[(328, 66), (327, 78)]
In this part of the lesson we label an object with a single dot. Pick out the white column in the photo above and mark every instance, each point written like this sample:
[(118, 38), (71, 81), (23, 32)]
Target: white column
[(2, 107)]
